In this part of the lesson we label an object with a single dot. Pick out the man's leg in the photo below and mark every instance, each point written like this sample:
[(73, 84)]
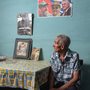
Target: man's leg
[(72, 88)]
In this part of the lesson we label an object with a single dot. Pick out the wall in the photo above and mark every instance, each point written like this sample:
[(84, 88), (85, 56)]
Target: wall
[(46, 29)]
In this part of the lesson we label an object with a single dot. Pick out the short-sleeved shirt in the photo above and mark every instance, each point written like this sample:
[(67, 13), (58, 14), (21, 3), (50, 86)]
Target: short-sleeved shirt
[(63, 70)]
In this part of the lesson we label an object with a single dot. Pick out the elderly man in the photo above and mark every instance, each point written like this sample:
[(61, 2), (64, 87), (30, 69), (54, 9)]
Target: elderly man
[(66, 8), (64, 65)]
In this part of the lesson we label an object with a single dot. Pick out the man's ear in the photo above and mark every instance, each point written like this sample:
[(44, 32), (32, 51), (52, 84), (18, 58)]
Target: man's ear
[(62, 47)]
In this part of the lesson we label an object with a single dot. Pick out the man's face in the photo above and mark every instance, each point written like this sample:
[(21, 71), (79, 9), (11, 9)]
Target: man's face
[(56, 9), (65, 5), (56, 45), (44, 8)]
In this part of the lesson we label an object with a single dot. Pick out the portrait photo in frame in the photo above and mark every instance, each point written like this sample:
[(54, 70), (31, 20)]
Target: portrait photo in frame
[(25, 23), (35, 54), (23, 48)]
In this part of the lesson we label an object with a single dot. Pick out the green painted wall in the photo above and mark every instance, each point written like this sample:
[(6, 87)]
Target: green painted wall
[(46, 29)]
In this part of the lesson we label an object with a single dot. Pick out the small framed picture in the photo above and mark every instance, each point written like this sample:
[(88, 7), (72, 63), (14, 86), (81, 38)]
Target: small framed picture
[(23, 48), (24, 23), (35, 53)]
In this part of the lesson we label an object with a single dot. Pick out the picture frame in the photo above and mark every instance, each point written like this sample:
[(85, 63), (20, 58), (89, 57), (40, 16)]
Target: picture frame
[(23, 48), (25, 23), (35, 55)]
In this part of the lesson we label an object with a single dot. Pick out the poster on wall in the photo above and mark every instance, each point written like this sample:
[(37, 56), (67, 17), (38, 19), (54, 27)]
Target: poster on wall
[(54, 8), (24, 23)]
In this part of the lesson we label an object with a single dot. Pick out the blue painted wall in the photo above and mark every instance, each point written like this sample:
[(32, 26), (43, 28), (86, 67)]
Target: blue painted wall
[(46, 29)]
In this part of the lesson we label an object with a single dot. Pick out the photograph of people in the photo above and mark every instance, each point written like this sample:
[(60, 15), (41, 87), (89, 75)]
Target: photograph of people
[(43, 9), (54, 8), (24, 23), (21, 48), (66, 7)]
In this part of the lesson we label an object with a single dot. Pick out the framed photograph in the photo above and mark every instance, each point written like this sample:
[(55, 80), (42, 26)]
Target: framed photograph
[(23, 48), (54, 8), (35, 53), (24, 23)]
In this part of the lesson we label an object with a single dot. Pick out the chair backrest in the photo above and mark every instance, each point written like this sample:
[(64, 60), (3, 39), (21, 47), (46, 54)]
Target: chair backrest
[(35, 54), (80, 64)]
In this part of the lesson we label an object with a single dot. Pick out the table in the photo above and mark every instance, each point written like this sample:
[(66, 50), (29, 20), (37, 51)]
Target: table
[(20, 73)]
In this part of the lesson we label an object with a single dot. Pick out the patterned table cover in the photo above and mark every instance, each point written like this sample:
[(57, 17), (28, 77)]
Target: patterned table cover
[(28, 74)]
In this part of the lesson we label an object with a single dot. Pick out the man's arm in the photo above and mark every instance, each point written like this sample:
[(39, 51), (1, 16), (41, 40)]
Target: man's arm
[(70, 83)]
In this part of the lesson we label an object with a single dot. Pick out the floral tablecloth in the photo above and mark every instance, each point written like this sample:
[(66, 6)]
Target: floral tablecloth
[(28, 74)]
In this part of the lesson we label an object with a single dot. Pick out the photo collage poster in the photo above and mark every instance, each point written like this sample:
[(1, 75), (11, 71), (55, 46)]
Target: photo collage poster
[(54, 8)]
